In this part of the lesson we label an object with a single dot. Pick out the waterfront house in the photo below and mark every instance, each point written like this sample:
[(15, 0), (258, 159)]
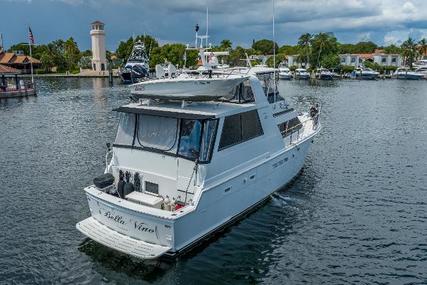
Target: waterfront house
[(19, 61), (377, 57)]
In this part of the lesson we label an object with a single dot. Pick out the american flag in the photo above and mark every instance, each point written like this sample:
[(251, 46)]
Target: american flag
[(30, 36)]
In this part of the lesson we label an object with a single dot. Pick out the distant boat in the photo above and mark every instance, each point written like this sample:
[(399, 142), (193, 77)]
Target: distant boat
[(406, 74), (365, 73), (325, 74), (423, 71), (302, 74), (420, 63), (137, 65), (284, 73)]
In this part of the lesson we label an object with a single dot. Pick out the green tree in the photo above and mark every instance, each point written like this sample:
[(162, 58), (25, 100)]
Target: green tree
[(265, 47), (330, 61), (225, 45), (288, 50), (423, 47), (71, 55), (410, 51), (236, 56), (124, 49), (323, 45), (304, 46), (392, 49)]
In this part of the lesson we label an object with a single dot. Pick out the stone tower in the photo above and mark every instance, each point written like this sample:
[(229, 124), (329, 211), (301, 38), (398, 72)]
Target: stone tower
[(99, 61)]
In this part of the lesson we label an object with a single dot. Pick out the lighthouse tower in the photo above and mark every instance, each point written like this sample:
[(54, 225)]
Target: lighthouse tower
[(99, 61)]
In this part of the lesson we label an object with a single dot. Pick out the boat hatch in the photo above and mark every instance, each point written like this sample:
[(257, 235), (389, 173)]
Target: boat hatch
[(112, 239)]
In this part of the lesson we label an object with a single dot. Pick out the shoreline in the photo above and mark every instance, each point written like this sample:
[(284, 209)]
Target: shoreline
[(65, 75)]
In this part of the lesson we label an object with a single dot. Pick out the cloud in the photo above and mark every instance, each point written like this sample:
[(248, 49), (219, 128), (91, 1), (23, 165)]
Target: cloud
[(238, 20)]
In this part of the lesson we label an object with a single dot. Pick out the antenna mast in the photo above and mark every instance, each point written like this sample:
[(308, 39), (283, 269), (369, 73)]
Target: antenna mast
[(274, 56)]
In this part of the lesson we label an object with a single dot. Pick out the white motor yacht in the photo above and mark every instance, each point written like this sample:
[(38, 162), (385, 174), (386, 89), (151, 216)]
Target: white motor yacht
[(325, 74), (301, 74), (423, 71), (181, 170), (364, 73), (406, 74), (420, 63), (285, 73)]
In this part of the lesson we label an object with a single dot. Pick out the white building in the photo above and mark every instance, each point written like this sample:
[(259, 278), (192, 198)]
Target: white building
[(381, 59), (388, 59), (293, 60), (99, 60)]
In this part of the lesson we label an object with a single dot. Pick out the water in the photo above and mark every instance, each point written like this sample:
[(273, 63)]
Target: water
[(357, 214)]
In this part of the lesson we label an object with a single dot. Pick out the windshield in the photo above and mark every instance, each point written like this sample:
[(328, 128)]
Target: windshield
[(187, 138)]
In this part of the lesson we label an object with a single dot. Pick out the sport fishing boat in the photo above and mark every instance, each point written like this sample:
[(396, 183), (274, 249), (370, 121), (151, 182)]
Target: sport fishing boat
[(406, 74), (301, 74), (137, 65), (364, 73), (180, 170)]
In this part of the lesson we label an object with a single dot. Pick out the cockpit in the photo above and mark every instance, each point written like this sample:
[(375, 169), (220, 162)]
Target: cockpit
[(189, 138)]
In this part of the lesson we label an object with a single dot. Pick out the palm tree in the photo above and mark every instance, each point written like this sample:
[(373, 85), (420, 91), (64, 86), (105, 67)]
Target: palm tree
[(225, 44), (423, 47), (410, 51), (304, 45), (323, 45)]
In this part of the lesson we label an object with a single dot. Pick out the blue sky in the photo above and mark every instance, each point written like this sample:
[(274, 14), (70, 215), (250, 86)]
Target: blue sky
[(382, 21)]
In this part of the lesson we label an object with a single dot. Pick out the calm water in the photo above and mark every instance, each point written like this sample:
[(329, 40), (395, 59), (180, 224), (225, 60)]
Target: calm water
[(357, 214)]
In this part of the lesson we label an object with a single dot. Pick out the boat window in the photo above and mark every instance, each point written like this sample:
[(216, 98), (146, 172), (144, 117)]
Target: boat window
[(243, 93), (251, 125), (157, 132), (188, 138), (231, 132), (189, 143), (126, 129), (208, 140), (240, 128)]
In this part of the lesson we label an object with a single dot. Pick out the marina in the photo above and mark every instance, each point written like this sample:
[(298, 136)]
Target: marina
[(345, 209), (149, 160)]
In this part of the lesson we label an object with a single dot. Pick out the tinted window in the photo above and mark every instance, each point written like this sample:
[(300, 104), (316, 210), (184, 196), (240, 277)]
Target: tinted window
[(239, 128), (231, 132), (251, 126)]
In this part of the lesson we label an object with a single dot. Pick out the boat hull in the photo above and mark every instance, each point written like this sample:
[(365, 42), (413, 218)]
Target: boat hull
[(285, 76), (129, 76), (366, 76), (302, 77), (409, 76), (232, 198)]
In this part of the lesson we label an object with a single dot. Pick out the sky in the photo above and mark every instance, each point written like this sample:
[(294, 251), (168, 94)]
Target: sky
[(241, 21)]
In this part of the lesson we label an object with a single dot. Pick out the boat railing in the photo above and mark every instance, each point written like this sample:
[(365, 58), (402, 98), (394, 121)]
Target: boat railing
[(294, 133)]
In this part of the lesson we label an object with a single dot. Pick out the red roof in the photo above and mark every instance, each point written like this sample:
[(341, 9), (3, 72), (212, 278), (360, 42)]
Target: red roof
[(365, 55), (7, 70)]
